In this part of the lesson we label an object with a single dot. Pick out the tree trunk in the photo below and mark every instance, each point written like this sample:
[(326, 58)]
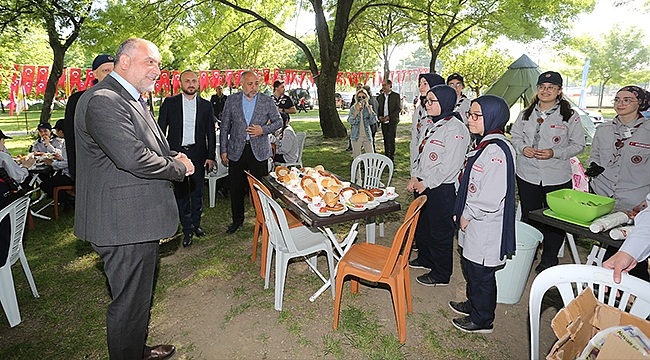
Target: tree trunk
[(330, 122), (386, 63), (53, 79)]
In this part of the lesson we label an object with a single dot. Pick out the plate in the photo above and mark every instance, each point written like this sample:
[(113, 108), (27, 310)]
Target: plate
[(552, 214), (317, 211), (273, 175), (386, 197), (369, 205)]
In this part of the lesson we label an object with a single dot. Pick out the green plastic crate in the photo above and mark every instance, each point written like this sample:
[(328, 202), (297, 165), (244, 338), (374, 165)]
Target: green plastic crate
[(578, 205)]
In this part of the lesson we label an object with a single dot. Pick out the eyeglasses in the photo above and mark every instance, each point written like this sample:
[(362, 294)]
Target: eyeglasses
[(361, 97), (547, 87), (429, 101), (456, 85), (474, 116), (624, 101)]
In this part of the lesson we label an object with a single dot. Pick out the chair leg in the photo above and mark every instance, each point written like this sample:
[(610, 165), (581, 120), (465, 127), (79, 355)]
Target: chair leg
[(256, 232), (398, 291), (281, 264), (340, 277), (330, 263), (55, 197), (407, 288), (354, 286), (269, 253), (212, 189), (265, 247), (28, 274), (8, 296)]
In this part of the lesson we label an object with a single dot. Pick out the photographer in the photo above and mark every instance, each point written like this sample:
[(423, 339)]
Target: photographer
[(361, 118)]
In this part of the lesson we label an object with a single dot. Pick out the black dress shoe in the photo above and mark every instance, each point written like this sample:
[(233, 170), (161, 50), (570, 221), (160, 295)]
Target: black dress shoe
[(233, 227), (460, 307), (466, 325), (187, 240), (158, 352), (199, 232)]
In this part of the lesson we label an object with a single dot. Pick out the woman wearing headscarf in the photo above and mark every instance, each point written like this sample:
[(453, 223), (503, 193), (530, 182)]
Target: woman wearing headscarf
[(546, 135), (439, 157), (425, 83), (485, 213), (619, 158), (361, 117)]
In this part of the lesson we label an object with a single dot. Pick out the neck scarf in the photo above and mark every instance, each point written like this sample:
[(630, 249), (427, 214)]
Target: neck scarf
[(496, 114)]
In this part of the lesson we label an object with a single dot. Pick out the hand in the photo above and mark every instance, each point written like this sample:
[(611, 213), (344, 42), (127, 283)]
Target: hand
[(620, 262), (463, 223), (48, 161), (209, 164), (411, 184), (254, 130), (58, 156), (529, 152), (224, 159), (419, 187), (544, 154), (189, 167)]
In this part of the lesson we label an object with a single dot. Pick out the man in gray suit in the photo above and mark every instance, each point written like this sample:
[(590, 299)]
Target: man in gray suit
[(248, 118), (124, 198)]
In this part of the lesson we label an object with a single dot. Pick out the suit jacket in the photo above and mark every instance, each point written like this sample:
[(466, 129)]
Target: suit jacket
[(68, 130), (171, 116), (394, 106), (124, 166), (232, 138)]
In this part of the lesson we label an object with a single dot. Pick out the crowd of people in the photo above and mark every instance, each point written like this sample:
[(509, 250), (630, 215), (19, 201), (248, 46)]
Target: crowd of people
[(150, 175)]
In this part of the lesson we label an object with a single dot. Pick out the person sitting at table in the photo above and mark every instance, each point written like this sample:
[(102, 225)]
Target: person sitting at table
[(286, 144), (12, 175), (59, 163), (546, 135), (440, 156), (485, 213), (47, 141), (636, 248), (619, 165)]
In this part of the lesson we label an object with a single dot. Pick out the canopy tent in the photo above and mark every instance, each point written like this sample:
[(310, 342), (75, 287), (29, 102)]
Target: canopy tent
[(519, 82)]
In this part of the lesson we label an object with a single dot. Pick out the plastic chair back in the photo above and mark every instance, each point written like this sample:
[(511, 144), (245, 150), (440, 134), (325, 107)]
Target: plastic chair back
[(17, 212), (373, 166), (276, 223), (404, 237), (631, 295)]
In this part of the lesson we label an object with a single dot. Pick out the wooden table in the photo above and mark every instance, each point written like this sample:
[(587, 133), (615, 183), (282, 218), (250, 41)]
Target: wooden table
[(573, 231), (300, 208)]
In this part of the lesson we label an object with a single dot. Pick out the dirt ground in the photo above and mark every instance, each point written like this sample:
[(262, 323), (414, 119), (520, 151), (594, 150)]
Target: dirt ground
[(235, 319)]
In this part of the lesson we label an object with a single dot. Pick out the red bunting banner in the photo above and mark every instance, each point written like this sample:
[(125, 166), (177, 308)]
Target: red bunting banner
[(237, 77), (203, 80), (276, 76), (266, 73), (27, 78), (41, 79), (215, 80), (74, 78), (164, 81), (176, 81), (90, 78)]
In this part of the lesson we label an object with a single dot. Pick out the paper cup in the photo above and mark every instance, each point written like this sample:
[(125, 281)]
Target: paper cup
[(345, 184), (317, 201), (390, 190)]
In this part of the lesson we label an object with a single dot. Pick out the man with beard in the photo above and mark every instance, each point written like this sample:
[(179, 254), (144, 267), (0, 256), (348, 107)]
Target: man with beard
[(188, 121), (124, 197)]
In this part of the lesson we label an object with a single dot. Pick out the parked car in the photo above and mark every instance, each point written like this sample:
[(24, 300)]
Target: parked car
[(596, 117), (298, 93), (343, 100)]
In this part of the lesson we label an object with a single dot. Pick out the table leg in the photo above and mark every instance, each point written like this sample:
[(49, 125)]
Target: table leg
[(370, 229), (574, 249), (341, 249)]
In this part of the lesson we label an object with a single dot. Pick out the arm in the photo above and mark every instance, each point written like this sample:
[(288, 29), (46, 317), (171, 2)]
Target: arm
[(519, 142), (224, 128), (353, 120), (491, 184), (163, 117), (110, 122), (210, 132), (397, 105), (448, 159), (289, 142), (576, 140), (635, 248)]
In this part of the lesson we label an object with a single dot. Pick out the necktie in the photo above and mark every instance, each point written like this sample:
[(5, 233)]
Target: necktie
[(147, 115)]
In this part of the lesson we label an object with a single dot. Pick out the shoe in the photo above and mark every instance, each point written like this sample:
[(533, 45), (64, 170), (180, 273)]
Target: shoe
[(415, 264), (427, 280), (187, 240), (158, 352), (233, 227), (466, 325), (541, 267), (460, 308), (414, 247), (199, 232)]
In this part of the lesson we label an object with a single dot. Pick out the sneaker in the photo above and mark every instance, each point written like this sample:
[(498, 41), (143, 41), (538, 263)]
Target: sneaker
[(466, 325), (541, 267), (460, 308), (415, 264), (427, 280)]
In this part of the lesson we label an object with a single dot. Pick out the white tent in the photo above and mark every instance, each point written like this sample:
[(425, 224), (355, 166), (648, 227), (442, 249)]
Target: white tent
[(519, 83)]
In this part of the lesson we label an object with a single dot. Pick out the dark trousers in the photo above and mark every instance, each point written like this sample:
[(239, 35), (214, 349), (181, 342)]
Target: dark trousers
[(533, 197), (189, 197), (481, 291), (49, 184), (434, 234), (388, 131), (130, 272), (239, 183)]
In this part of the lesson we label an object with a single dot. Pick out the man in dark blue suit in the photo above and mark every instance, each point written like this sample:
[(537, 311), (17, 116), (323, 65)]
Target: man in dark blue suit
[(188, 121)]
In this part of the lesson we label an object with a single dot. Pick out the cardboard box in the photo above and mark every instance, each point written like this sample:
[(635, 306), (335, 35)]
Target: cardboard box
[(585, 316)]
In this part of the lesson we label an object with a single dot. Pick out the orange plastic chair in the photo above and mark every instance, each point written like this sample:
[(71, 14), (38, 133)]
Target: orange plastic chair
[(55, 195), (378, 263), (260, 227)]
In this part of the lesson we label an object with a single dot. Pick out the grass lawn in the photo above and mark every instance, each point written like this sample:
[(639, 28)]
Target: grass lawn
[(68, 320)]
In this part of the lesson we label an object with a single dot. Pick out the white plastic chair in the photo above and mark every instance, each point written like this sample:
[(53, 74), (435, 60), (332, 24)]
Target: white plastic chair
[(371, 167), (17, 212), (212, 177), (301, 136), (290, 243), (631, 295)]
